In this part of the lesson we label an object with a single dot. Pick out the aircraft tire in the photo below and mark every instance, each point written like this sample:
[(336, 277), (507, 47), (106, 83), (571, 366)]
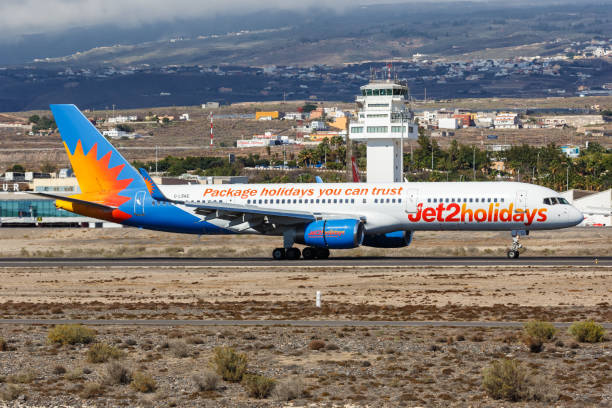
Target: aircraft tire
[(513, 254), (293, 253), (322, 253), (279, 254), (309, 253)]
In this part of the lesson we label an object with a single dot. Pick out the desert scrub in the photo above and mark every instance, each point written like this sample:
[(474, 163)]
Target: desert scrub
[(92, 390), (71, 334), (511, 381), (10, 392), (230, 365), (538, 329), (102, 352), (587, 332), (536, 333), (22, 377), (288, 389), (117, 374), (506, 379), (316, 345), (207, 381), (3, 344), (180, 349), (258, 386), (143, 382)]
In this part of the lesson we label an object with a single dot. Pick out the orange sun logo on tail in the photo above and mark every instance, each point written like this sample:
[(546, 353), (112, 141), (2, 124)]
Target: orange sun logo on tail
[(98, 182)]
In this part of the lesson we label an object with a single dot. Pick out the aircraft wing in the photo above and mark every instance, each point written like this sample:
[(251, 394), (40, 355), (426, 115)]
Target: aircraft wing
[(239, 217)]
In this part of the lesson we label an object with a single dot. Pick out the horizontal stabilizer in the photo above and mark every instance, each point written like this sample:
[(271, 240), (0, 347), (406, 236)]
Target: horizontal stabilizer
[(76, 200)]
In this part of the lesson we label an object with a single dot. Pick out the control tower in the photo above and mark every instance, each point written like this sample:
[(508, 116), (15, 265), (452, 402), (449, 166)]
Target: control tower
[(383, 121)]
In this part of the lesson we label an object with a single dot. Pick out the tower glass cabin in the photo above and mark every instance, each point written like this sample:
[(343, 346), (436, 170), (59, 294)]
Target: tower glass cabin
[(383, 121)]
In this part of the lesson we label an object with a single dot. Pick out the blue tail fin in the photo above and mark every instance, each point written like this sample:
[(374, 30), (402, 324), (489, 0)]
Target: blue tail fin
[(98, 166)]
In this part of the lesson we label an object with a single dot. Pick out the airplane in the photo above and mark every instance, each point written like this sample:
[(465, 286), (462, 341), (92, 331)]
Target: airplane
[(321, 216)]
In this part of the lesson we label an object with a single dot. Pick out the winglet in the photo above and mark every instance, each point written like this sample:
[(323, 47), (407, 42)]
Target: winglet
[(318, 179), (152, 187)]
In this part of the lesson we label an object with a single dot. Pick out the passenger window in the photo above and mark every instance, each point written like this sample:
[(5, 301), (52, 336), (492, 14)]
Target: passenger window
[(365, 201), (502, 200), (248, 201), (429, 200), (495, 199), (352, 201), (376, 200), (447, 200), (399, 200), (317, 201), (471, 200), (488, 200), (393, 200), (435, 200), (277, 201), (335, 201)]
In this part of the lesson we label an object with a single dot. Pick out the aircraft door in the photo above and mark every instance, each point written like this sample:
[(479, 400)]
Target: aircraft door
[(411, 199), (520, 202), (139, 202)]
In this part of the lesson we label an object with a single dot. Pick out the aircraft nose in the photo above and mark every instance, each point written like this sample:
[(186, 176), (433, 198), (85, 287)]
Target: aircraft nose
[(576, 216)]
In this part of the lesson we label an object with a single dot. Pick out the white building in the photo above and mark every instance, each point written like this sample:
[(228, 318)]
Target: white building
[(118, 134), (506, 120), (448, 123), (596, 207), (383, 121), (293, 116), (184, 116)]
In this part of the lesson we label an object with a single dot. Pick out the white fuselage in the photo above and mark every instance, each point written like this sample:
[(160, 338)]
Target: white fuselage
[(390, 207)]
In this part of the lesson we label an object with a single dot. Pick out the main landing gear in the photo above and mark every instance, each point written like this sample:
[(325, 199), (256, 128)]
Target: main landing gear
[(514, 251), (294, 253)]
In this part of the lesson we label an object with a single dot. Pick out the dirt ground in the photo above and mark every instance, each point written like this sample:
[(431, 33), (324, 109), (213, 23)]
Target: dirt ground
[(356, 366)]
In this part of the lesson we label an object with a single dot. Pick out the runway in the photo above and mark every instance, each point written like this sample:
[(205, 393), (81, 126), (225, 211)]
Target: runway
[(586, 261), (289, 323)]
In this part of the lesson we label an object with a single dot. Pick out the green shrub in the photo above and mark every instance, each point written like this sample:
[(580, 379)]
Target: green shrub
[(258, 386), (230, 365), (143, 382), (535, 344), (102, 352), (506, 379), (540, 330), (587, 332), (71, 334)]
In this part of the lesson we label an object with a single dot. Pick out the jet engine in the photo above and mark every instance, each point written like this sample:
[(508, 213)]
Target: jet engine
[(395, 239), (332, 234)]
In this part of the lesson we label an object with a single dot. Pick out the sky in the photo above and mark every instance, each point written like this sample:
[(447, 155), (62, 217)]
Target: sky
[(23, 17)]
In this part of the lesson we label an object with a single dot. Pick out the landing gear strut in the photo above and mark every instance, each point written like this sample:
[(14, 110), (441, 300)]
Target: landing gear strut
[(513, 252)]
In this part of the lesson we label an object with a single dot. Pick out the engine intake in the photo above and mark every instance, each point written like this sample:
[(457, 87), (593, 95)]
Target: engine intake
[(395, 239), (333, 234)]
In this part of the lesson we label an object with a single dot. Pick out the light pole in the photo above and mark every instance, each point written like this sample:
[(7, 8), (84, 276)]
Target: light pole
[(567, 177), (474, 163)]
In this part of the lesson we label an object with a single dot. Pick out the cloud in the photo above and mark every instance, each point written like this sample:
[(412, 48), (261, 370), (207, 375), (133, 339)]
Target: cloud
[(20, 17)]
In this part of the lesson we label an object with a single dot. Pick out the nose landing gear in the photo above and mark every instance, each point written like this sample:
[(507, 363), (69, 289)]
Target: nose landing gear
[(514, 251)]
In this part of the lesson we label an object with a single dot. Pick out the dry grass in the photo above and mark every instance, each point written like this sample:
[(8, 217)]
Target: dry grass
[(102, 352), (258, 386), (71, 334), (206, 381), (143, 382)]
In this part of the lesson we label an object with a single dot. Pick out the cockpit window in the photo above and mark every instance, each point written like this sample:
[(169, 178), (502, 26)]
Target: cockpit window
[(555, 200)]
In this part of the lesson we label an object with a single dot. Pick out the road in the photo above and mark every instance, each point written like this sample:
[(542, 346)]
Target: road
[(292, 323), (587, 261)]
